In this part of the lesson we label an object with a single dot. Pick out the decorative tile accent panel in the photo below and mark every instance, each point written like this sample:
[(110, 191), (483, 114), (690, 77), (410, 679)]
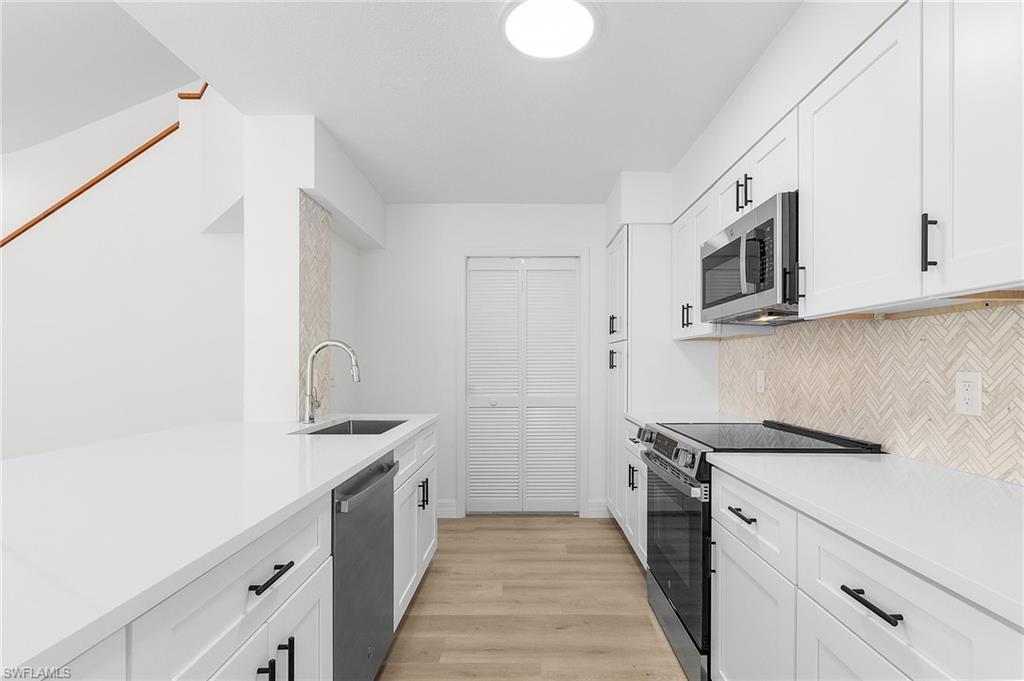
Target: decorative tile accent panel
[(314, 295), (893, 382)]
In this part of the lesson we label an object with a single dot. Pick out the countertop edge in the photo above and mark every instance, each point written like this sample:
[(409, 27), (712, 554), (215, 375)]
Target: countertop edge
[(997, 604), (71, 646)]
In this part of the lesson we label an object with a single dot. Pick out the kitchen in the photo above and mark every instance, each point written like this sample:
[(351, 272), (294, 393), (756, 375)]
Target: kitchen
[(416, 347)]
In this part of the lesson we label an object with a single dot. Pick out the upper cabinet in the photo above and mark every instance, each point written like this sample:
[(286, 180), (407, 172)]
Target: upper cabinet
[(771, 166), (910, 163), (860, 175), (617, 273), (972, 146)]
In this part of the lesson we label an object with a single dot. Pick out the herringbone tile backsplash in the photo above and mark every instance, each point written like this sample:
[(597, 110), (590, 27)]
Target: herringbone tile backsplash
[(893, 382), (314, 295)]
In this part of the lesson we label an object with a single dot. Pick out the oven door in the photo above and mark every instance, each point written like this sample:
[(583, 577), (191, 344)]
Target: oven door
[(679, 546)]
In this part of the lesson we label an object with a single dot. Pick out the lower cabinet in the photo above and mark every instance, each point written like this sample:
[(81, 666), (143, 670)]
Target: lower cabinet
[(415, 534), (753, 614), (295, 643), (825, 649), (630, 493)]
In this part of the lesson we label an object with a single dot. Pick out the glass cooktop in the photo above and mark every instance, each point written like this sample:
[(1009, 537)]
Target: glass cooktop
[(769, 436)]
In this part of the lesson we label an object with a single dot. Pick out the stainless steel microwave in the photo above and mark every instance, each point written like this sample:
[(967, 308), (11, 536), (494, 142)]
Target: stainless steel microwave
[(749, 270)]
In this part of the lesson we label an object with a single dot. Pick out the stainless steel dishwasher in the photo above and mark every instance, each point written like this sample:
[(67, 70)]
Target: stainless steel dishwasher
[(364, 574)]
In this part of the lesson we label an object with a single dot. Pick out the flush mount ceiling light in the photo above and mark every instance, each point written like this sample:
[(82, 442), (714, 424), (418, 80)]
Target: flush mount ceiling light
[(549, 29)]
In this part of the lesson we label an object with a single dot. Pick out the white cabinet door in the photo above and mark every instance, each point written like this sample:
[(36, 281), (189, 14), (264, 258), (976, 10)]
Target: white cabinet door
[(686, 273), (753, 614), (860, 175), (771, 166), (727, 199), (300, 632), (828, 651), (406, 529), (617, 277), (631, 512), (616, 397), (972, 145), (252, 656), (641, 522), (426, 534)]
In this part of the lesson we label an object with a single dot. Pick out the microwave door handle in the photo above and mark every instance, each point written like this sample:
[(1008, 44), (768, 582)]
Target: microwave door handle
[(744, 284)]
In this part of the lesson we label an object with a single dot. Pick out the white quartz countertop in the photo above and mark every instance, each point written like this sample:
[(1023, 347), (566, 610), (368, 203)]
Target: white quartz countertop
[(962, 531), (643, 417), (94, 536)]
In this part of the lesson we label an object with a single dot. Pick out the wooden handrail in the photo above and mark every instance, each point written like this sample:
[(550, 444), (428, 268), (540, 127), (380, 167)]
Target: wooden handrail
[(194, 95), (89, 185)]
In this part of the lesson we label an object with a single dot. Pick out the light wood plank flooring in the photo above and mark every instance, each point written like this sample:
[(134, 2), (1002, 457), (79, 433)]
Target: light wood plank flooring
[(531, 597)]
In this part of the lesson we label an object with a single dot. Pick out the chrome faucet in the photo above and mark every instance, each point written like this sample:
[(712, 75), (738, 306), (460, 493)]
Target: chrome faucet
[(311, 401)]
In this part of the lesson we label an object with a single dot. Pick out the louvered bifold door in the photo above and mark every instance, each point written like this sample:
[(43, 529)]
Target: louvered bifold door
[(493, 385), (551, 386), (522, 384)]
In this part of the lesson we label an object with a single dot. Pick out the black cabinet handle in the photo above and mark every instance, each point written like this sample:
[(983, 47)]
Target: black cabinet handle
[(858, 595), (426, 488), (270, 670), (611, 359), (796, 282), (682, 317), (631, 479), (746, 190), (258, 589), (290, 647), (423, 495), (925, 262), (738, 512), (739, 206), (611, 325)]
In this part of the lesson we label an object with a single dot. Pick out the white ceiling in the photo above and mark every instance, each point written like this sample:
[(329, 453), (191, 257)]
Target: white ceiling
[(68, 64), (434, 106)]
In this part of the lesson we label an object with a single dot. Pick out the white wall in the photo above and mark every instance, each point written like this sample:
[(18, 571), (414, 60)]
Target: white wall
[(407, 309), (118, 315), (812, 43)]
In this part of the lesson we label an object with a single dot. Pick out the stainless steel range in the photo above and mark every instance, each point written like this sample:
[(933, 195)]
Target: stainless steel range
[(679, 517)]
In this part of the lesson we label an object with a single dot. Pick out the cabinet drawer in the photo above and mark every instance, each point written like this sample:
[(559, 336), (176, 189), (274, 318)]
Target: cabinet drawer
[(193, 632), (939, 635), (411, 454), (771, 530)]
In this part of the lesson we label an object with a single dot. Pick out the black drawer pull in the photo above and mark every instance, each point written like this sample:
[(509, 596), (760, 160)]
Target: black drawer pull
[(738, 512), (290, 647), (611, 325), (423, 495), (746, 190), (611, 360), (258, 589), (739, 206), (858, 595), (270, 670)]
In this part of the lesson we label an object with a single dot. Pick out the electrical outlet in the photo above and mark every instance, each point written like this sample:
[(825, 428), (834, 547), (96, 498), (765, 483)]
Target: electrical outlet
[(968, 393), (760, 380)]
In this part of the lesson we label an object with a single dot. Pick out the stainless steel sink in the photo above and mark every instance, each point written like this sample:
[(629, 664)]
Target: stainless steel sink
[(368, 427)]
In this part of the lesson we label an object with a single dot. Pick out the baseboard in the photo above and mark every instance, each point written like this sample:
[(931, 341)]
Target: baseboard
[(596, 508), (447, 508)]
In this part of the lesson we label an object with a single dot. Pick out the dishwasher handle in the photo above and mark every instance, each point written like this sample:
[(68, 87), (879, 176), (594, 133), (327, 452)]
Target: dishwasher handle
[(348, 502)]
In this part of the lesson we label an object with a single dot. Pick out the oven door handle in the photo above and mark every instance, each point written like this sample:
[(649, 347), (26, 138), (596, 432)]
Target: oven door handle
[(695, 490)]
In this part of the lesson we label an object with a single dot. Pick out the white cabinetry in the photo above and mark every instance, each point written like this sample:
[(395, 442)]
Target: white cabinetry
[(617, 273), (633, 496), (618, 358), (828, 651), (193, 632), (296, 643), (415, 534), (753, 614), (972, 145), (860, 175), (771, 166)]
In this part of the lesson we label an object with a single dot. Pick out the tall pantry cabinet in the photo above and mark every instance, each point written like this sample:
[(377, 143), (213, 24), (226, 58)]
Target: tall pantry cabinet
[(647, 371)]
